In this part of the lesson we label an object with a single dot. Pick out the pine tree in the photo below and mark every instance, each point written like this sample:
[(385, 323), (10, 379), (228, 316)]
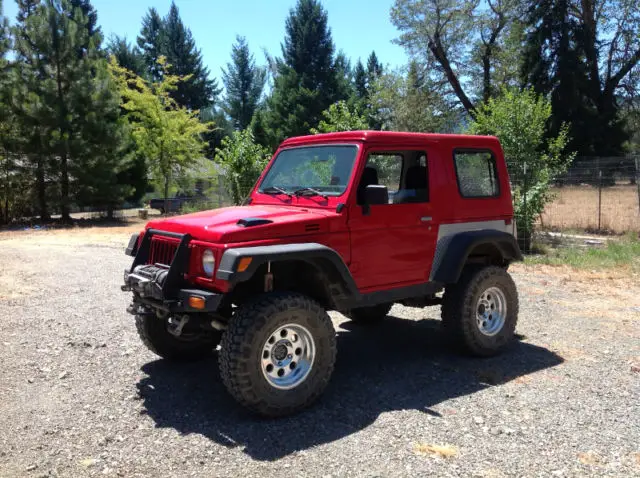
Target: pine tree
[(89, 12), (344, 76), (7, 124), (244, 82), (127, 55), (151, 43), (360, 81), (28, 93), (552, 65), (374, 68), (185, 60), (306, 83), (68, 104), (258, 128)]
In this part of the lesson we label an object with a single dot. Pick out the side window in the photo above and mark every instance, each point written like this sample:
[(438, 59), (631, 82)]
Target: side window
[(384, 169), (477, 173), (404, 173), (389, 168)]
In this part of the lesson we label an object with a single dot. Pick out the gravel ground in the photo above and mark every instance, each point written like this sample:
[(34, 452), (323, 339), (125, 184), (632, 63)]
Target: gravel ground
[(81, 396)]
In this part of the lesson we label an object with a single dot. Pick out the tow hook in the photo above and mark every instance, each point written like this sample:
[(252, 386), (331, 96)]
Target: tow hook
[(176, 326)]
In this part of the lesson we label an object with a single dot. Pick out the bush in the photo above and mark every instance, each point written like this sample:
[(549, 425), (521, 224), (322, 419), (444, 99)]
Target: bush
[(519, 119), (242, 161)]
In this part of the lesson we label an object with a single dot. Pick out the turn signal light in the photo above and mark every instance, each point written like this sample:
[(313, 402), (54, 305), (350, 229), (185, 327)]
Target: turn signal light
[(196, 302), (244, 263)]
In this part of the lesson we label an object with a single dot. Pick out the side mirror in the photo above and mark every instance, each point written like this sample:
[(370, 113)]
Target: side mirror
[(375, 194)]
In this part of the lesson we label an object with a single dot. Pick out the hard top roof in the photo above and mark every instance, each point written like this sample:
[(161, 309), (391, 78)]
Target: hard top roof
[(388, 137)]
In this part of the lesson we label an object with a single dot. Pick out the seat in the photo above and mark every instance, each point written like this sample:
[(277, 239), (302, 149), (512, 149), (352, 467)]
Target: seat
[(416, 186), (369, 177)]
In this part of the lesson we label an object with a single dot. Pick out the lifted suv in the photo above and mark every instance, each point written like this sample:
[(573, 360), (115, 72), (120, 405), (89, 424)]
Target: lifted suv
[(352, 222)]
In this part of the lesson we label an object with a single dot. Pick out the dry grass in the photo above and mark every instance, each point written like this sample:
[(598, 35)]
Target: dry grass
[(576, 207), (444, 451)]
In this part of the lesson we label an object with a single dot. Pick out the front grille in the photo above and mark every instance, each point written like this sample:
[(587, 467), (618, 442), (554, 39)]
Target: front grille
[(162, 251)]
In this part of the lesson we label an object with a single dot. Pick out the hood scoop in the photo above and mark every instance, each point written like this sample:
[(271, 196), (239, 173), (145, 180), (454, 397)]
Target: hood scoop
[(253, 221)]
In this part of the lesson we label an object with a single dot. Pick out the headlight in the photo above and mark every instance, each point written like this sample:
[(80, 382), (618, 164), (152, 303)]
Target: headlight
[(208, 262)]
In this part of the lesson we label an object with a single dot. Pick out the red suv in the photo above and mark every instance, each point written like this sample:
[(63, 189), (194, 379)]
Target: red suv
[(352, 222)]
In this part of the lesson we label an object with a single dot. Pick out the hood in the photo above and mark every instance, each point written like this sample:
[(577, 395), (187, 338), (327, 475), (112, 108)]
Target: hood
[(247, 223)]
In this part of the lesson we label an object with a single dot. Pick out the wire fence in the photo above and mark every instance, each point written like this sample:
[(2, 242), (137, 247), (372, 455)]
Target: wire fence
[(596, 195)]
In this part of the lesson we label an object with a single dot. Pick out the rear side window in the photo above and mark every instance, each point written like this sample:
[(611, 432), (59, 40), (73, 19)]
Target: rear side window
[(477, 173)]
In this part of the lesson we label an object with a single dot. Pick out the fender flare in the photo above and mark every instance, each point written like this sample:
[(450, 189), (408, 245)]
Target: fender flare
[(318, 255), (459, 247)]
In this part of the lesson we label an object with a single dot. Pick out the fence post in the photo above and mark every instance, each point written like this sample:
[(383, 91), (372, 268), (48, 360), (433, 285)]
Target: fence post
[(599, 198), (638, 180)]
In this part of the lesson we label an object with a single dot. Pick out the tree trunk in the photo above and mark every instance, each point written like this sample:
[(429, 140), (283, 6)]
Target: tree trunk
[(41, 190), (439, 53), (64, 189)]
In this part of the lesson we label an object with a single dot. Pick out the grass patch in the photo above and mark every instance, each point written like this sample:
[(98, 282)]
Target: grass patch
[(616, 253)]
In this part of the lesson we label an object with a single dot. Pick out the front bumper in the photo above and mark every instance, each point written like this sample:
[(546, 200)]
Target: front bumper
[(164, 287)]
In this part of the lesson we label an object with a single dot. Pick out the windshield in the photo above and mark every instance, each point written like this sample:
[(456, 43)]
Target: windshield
[(325, 169)]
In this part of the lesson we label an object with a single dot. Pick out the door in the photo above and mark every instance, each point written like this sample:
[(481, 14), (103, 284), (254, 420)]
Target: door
[(393, 244)]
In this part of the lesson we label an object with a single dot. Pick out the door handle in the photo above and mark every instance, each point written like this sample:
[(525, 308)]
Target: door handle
[(426, 219)]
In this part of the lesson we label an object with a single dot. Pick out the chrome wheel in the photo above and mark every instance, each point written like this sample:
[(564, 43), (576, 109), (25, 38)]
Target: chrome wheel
[(491, 311), (287, 356)]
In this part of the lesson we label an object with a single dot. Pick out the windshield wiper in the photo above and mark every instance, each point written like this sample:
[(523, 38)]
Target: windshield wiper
[(309, 192), (275, 190)]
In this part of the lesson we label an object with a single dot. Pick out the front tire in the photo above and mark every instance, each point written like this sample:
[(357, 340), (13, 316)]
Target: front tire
[(278, 353), (154, 333), (480, 312), (369, 315)]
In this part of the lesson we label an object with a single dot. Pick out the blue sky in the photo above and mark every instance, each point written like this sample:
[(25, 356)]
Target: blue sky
[(358, 26)]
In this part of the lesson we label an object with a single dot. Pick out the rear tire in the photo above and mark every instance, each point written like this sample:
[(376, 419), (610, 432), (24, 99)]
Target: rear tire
[(278, 353), (369, 315), (154, 334), (480, 312)]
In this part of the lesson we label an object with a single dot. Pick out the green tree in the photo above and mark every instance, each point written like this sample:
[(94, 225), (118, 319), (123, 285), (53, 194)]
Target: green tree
[(9, 171), (374, 67), (360, 83), (216, 134), (242, 161), (340, 117), (519, 119), (151, 43), (244, 82), (410, 102), (584, 56), (467, 45), (89, 11), (306, 82), (166, 133), (258, 128), (28, 72), (127, 55), (196, 90), (345, 87), (64, 100)]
